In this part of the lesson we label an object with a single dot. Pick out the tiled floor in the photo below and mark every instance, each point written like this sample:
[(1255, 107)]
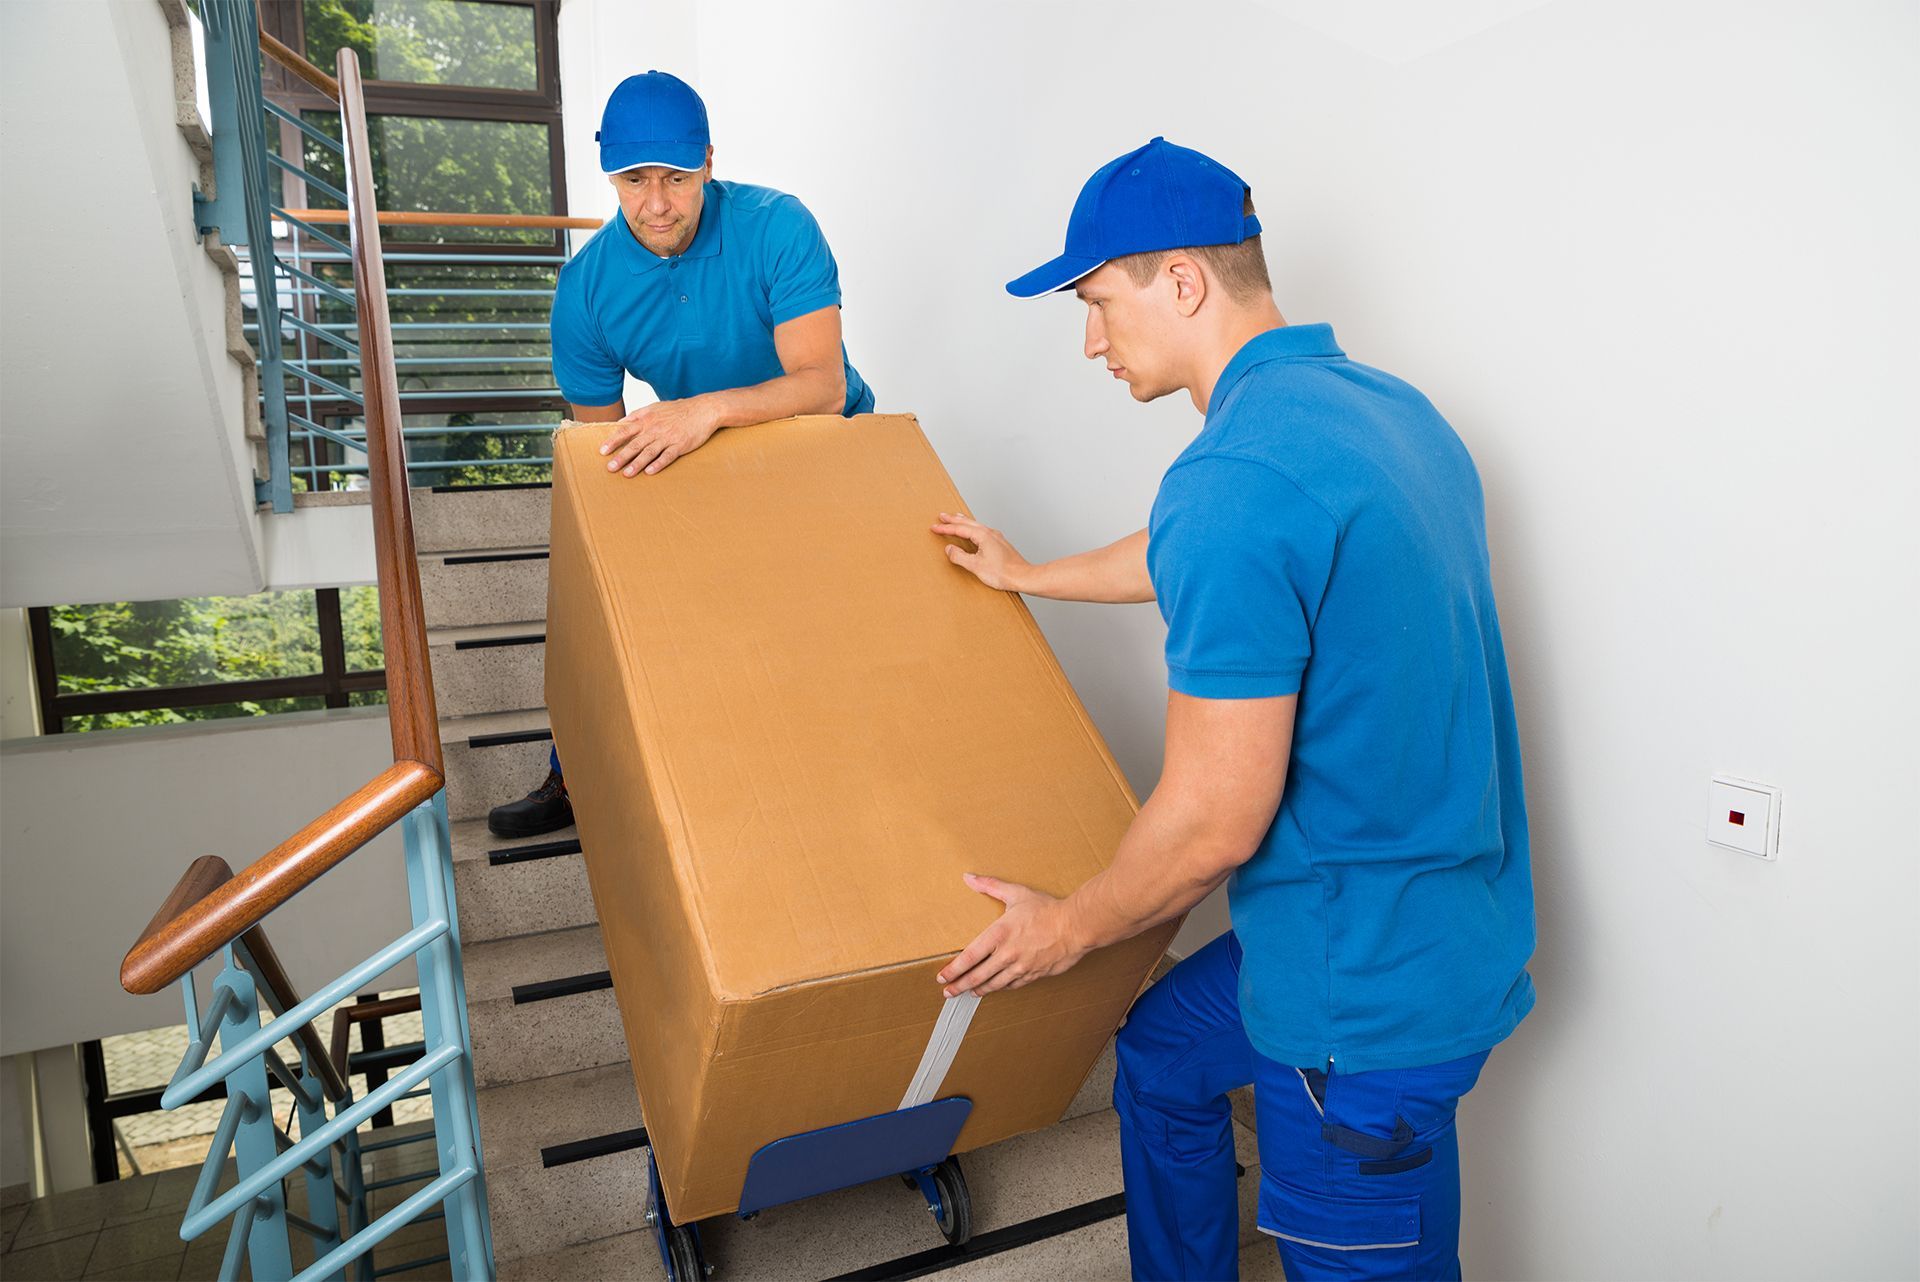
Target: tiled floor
[(130, 1229)]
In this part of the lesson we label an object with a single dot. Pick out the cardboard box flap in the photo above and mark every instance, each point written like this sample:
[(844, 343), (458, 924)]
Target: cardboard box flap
[(829, 755)]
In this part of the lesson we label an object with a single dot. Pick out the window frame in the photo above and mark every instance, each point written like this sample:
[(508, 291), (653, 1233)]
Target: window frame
[(335, 684)]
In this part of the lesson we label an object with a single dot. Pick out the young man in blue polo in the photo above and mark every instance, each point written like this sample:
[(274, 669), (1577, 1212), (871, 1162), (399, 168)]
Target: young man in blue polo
[(1341, 753), (722, 296)]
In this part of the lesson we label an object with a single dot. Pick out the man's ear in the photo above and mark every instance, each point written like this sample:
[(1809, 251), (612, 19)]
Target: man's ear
[(707, 174), (1189, 282)]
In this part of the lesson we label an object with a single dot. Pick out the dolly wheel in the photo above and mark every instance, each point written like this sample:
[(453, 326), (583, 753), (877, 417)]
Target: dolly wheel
[(683, 1250), (955, 1214)]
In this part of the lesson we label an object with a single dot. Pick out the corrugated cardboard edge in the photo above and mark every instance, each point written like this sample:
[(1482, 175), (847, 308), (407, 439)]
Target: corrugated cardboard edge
[(631, 679)]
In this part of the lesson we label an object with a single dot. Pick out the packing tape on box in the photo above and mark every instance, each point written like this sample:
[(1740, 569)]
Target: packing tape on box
[(942, 1046)]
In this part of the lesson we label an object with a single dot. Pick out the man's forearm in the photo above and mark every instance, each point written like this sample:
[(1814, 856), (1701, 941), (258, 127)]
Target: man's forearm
[(1170, 859), (1112, 575), (804, 391)]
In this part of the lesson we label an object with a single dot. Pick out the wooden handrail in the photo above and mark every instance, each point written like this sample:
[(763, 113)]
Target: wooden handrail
[(424, 218), (365, 1013), (206, 875), (296, 62), (411, 712), (175, 942), (212, 906)]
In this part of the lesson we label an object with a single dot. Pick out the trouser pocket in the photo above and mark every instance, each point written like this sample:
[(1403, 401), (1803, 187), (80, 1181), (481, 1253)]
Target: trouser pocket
[(1326, 1222)]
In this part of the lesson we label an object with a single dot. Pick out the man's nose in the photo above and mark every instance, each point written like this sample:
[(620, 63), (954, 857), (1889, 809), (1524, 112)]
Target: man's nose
[(1096, 344), (657, 202)]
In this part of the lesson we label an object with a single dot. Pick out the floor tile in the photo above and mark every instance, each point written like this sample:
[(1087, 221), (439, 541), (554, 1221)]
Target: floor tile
[(141, 1240), (59, 1261)]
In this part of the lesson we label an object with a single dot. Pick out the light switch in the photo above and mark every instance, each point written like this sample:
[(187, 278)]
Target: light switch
[(1745, 816)]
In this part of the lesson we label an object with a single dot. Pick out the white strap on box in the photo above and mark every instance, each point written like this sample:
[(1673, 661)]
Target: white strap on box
[(942, 1046)]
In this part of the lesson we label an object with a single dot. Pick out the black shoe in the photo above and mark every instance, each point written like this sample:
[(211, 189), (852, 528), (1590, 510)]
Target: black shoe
[(545, 809)]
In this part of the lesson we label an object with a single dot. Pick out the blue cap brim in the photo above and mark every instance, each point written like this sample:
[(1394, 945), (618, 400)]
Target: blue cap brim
[(1056, 275), (618, 157)]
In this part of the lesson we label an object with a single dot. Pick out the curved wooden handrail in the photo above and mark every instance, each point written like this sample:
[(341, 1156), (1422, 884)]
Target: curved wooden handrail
[(177, 941), (206, 910), (435, 218), (206, 875), (296, 62)]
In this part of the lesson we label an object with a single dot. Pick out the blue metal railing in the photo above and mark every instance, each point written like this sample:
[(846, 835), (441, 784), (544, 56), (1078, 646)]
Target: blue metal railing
[(296, 284), (327, 1154)]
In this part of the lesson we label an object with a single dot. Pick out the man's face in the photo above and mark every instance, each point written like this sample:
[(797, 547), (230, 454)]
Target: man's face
[(1130, 329), (663, 205)]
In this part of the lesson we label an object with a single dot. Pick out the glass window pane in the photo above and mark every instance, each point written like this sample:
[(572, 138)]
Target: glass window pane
[(360, 628), (428, 42), (136, 645), (453, 166)]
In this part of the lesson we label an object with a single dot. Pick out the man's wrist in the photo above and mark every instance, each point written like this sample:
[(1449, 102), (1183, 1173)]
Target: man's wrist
[(1026, 578)]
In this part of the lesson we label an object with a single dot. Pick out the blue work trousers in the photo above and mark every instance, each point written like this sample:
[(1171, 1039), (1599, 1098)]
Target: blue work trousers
[(1359, 1172)]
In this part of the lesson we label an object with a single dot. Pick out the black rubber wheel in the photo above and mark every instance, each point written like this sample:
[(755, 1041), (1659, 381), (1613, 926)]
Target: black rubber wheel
[(956, 1204), (683, 1249)]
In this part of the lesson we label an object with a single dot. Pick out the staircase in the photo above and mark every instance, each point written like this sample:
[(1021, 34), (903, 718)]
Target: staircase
[(559, 1120)]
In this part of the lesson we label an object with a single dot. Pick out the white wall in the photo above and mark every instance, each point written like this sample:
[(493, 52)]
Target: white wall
[(1655, 262), (95, 829), (123, 469)]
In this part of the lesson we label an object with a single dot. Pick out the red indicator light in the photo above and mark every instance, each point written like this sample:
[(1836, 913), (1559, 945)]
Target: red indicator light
[(1736, 818)]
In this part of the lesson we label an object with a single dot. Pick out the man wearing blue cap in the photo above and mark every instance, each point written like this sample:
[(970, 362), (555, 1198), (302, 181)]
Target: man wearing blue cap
[(1341, 754), (722, 296)]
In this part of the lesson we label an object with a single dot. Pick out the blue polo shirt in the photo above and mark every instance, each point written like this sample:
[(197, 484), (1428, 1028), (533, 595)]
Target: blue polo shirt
[(1324, 536), (701, 321)]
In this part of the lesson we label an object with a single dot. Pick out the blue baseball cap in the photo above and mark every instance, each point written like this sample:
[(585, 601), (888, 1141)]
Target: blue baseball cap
[(655, 119), (1157, 197)]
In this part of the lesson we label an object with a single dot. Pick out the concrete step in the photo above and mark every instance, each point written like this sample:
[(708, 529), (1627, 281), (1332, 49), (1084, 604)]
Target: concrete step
[(482, 516), (523, 897), (501, 585), (538, 1210), (493, 758), (553, 1026), (493, 667), (1069, 1165)]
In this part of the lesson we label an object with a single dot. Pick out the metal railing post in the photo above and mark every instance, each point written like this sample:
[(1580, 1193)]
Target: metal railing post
[(443, 1002), (322, 1208), (269, 1255)]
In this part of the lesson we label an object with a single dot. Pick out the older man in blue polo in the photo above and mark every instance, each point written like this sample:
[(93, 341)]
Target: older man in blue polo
[(1341, 754), (723, 297)]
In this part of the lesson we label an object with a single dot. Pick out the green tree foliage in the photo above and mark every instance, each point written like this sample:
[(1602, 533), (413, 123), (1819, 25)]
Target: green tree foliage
[(145, 645)]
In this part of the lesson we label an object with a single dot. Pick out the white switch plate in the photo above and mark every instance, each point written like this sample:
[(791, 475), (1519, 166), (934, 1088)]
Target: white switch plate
[(1745, 816)]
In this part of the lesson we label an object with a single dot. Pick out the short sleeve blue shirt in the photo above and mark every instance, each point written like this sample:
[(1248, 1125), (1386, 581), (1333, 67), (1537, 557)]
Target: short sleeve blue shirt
[(703, 320), (1324, 536)]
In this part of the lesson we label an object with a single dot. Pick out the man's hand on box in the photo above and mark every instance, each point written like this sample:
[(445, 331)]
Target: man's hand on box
[(1030, 941), (653, 436), (994, 563)]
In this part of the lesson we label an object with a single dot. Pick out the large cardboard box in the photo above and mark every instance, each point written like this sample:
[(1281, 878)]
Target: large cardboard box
[(789, 725)]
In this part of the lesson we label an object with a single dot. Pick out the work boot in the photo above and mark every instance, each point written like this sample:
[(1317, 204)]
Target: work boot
[(545, 809)]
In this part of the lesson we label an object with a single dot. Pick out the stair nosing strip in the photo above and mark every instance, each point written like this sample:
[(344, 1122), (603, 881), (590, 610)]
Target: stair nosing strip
[(596, 1146), (501, 485), (546, 990), (527, 854), (506, 737), (484, 643), (489, 558)]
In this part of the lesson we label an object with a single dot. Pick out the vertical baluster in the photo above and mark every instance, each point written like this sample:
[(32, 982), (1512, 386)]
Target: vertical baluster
[(443, 1016), (322, 1208), (356, 1180), (269, 1256)]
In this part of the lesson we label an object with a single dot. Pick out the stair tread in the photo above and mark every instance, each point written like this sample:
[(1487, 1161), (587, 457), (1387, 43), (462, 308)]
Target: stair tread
[(473, 840), (493, 968), (485, 632), (520, 1119), (457, 730)]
